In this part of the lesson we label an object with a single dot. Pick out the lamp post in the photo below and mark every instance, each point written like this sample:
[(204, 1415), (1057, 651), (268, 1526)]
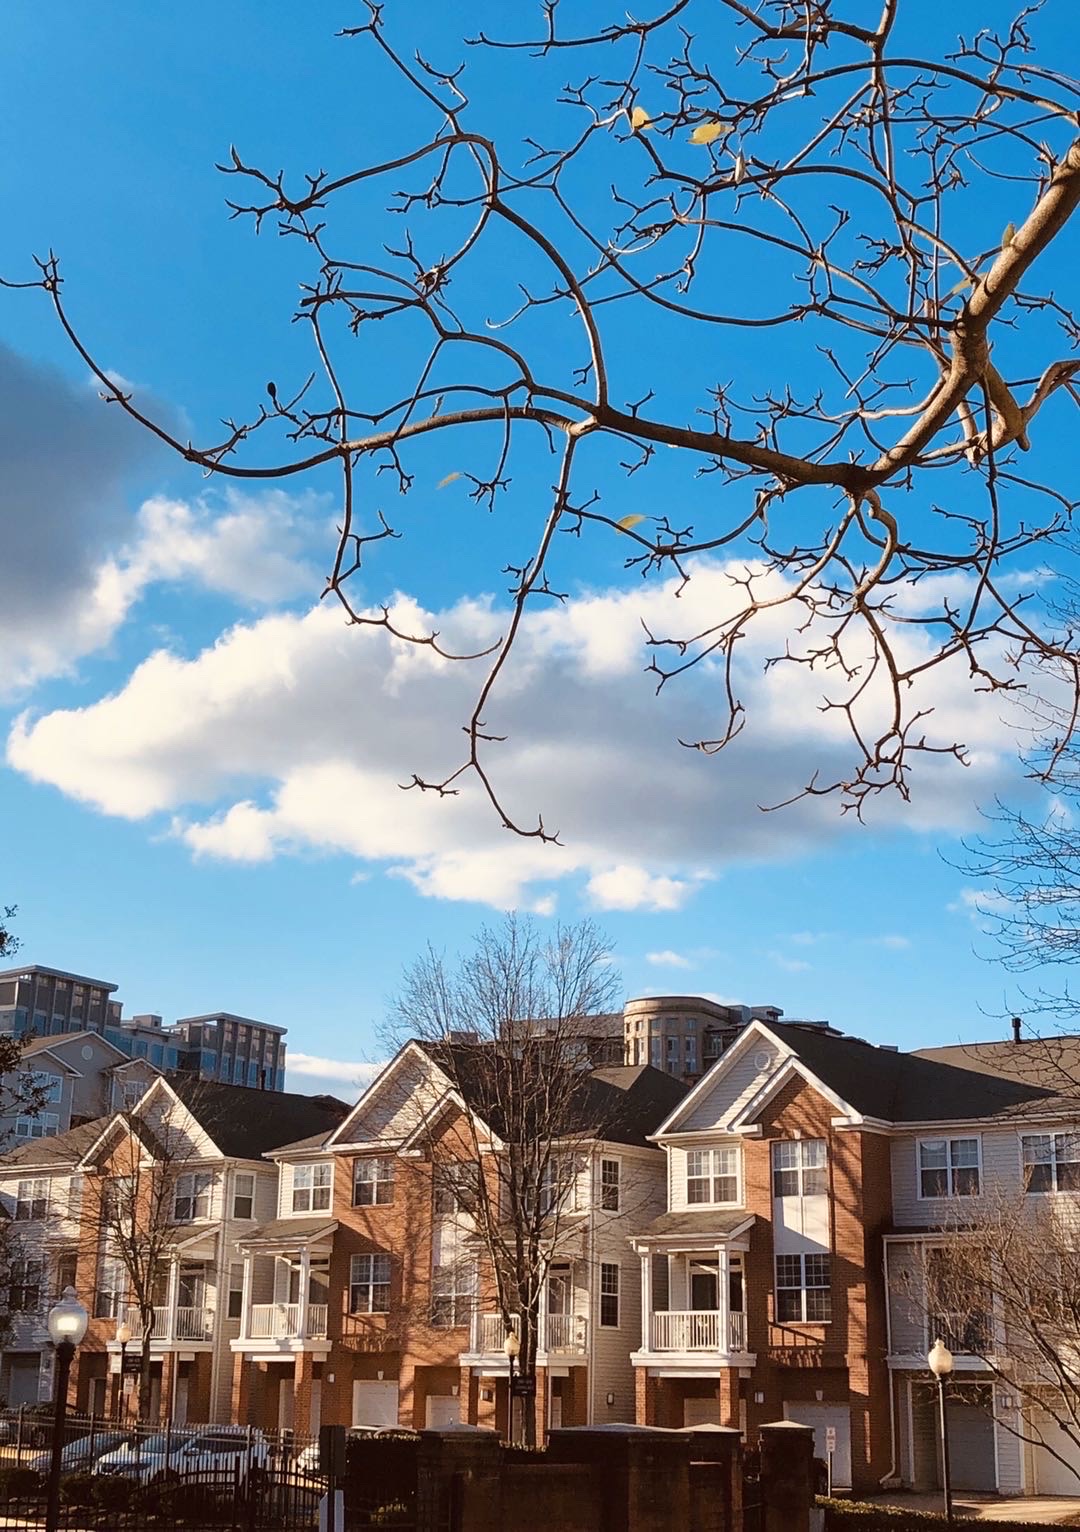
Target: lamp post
[(123, 1335), (67, 1326), (512, 1346), (940, 1361)]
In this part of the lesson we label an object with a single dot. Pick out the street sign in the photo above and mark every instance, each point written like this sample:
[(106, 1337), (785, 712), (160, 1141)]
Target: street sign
[(830, 1438), (132, 1363), (524, 1388)]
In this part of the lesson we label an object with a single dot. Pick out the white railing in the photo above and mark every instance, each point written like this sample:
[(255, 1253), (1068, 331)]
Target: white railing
[(188, 1324), (566, 1333), (489, 1332), (281, 1321), (696, 1330)]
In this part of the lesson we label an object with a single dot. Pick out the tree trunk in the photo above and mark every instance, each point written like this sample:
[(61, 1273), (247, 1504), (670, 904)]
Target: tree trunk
[(147, 1319)]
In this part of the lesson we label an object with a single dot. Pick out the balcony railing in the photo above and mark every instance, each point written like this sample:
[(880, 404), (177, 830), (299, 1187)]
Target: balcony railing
[(965, 1334), (696, 1330), (281, 1321), (184, 1324), (566, 1334)]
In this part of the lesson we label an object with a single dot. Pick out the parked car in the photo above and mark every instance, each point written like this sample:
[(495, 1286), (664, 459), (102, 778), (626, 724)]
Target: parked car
[(80, 1456), (214, 1454), (307, 1460)]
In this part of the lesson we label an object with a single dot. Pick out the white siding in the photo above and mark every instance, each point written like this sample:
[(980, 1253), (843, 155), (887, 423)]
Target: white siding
[(733, 1086), (907, 1322), (1000, 1173), (677, 1202)]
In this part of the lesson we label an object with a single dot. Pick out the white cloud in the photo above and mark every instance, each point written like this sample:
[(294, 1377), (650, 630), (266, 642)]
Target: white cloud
[(668, 959), (891, 942), (789, 964), (292, 733), (330, 1073)]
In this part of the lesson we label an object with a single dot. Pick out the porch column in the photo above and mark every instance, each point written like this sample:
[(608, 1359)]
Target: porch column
[(305, 1285), (646, 1300), (170, 1301), (245, 1302), (723, 1295)]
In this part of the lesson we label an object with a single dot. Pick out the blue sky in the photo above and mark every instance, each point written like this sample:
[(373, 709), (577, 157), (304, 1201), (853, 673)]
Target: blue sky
[(200, 799)]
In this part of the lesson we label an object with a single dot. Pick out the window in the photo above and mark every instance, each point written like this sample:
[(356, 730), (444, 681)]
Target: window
[(243, 1205), (609, 1185), (656, 1049), (949, 1167), (133, 1092), (32, 1200), (558, 1184), (49, 1088), (236, 1290), (24, 1284), (802, 1289), (609, 1295), (191, 1199), (373, 1182), (369, 1284), (37, 1127), (111, 1287), (311, 1188), (453, 1290), (456, 1188), (1051, 1162), (712, 1175), (799, 1168)]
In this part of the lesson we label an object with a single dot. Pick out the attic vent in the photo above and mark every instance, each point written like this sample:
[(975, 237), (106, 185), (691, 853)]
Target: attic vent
[(762, 1060), (889, 1047)]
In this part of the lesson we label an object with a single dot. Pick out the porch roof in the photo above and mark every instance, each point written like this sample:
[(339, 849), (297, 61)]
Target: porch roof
[(699, 1226), (289, 1233)]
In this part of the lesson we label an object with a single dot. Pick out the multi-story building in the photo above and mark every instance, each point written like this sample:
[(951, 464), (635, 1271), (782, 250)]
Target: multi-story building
[(684, 1035), (366, 1300), (219, 1186), (66, 1080), (40, 1002)]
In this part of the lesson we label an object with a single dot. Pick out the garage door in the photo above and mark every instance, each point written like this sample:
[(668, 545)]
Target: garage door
[(442, 1410), (971, 1438), (375, 1404), (820, 1417), (23, 1381), (1051, 1476), (701, 1412)]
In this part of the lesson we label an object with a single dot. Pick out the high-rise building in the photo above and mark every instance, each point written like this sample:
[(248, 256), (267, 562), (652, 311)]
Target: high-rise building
[(684, 1035), (233, 1049)]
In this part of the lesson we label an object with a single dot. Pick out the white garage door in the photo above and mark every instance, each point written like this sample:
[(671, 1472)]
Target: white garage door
[(701, 1412), (23, 1381), (1051, 1476), (442, 1410), (375, 1404), (820, 1417)]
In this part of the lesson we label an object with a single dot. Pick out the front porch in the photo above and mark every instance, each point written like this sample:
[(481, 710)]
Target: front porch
[(286, 1288), (693, 1300)]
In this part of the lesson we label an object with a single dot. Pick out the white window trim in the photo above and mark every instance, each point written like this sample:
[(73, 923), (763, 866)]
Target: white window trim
[(710, 1149), (617, 1185), (950, 1196), (601, 1295), (804, 1288), (1049, 1133), (312, 1211)]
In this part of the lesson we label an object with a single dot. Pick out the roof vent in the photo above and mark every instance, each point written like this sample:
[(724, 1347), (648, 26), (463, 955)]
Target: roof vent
[(889, 1047), (1016, 1025)]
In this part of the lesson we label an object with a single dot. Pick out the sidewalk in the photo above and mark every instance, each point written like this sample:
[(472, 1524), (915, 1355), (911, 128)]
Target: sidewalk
[(1057, 1509)]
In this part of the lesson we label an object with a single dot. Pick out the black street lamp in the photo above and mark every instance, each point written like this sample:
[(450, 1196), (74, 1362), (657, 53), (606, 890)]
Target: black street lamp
[(123, 1335), (67, 1325), (941, 1365), (512, 1347)]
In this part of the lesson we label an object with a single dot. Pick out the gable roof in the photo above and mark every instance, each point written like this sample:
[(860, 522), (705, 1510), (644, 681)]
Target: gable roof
[(1052, 1062), (245, 1123)]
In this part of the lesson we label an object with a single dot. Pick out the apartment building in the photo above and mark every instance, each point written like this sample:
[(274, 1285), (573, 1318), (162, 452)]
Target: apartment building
[(366, 1299), (39, 1002), (808, 1175), (218, 1187), (75, 1076)]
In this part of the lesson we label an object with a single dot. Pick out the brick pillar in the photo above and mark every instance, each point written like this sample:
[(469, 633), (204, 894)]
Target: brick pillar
[(646, 1473), (787, 1476), (303, 1373), (459, 1480), (539, 1407), (469, 1396), (721, 1448), (241, 1389), (727, 1394), (168, 1384), (645, 1397)]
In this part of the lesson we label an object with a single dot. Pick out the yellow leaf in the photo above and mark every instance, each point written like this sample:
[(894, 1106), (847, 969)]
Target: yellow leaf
[(625, 523), (639, 119), (706, 132), (450, 477), (1008, 236)]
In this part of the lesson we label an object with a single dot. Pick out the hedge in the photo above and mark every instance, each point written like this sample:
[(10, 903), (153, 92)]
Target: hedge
[(858, 1516)]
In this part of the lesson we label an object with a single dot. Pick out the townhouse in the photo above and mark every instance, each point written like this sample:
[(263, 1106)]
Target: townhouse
[(367, 1301), (206, 1143)]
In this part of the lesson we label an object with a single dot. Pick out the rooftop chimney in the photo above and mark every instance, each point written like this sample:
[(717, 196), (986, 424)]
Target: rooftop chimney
[(1016, 1025)]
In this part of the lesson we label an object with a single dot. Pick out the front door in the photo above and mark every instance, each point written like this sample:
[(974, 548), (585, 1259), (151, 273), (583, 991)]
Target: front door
[(704, 1287), (286, 1400)]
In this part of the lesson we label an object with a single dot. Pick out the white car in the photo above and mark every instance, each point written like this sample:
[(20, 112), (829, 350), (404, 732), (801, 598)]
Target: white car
[(214, 1455)]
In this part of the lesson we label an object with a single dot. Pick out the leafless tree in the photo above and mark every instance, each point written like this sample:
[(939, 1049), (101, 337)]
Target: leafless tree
[(703, 179), (143, 1168), (1004, 1286), (509, 1026)]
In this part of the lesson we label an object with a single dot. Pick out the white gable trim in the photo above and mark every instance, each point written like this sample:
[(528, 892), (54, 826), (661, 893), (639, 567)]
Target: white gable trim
[(756, 1031), (340, 1138), (792, 1068)]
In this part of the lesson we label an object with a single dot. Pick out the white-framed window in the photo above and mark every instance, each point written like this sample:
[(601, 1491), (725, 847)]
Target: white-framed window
[(39, 1126), (799, 1167), (609, 1185), (111, 1289), (802, 1289), (1051, 1162), (948, 1167), (32, 1200), (236, 1290), (558, 1184), (712, 1176), (373, 1181), (24, 1284), (456, 1188), (453, 1295), (132, 1092), (191, 1196), (46, 1086), (369, 1284), (311, 1187), (243, 1202), (609, 1295)]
